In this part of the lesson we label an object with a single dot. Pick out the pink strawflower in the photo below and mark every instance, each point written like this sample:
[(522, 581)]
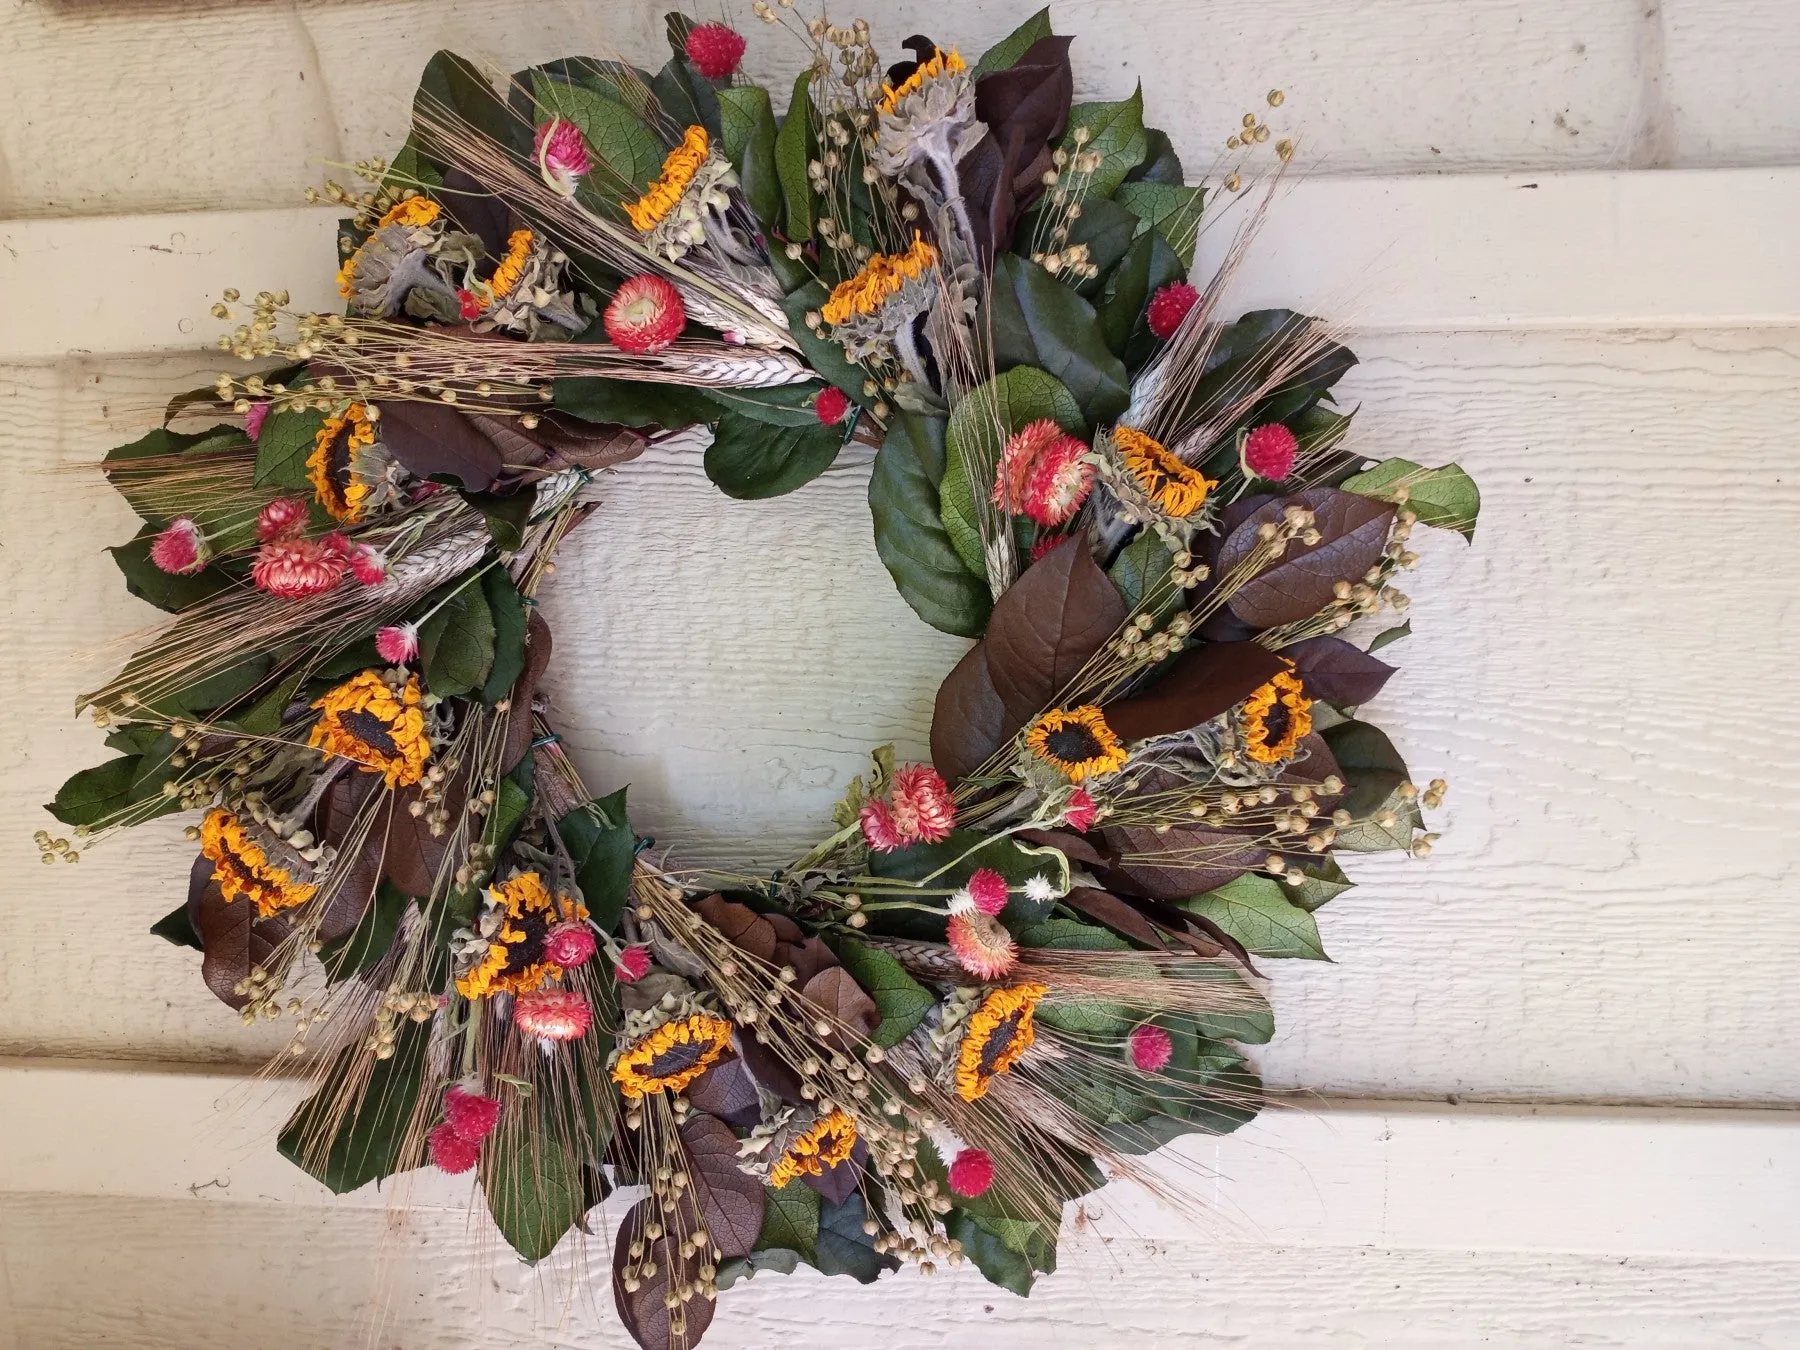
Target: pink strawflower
[(470, 1113), (296, 568), (878, 827), (397, 644), (831, 406), (254, 419), (1150, 1047), (645, 315), (552, 1014), (1269, 452), (561, 155), (569, 945), (716, 49), (987, 888), (1079, 814), (1168, 307), (634, 964), (1043, 474), (983, 948), (922, 809), (368, 564), (181, 548), (469, 306), (971, 1173), (280, 518), (450, 1151)]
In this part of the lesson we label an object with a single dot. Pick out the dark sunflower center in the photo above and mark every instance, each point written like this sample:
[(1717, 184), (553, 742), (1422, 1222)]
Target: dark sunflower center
[(678, 1058), (1073, 742), (1276, 722), (999, 1040), (371, 730), (521, 956), (337, 459)]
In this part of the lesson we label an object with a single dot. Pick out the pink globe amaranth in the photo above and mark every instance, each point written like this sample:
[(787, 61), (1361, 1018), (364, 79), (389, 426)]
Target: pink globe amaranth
[(1150, 1047), (923, 809), (1081, 811), (368, 565), (831, 406), (569, 945), (450, 1151), (180, 549), (634, 964), (715, 49), (553, 1014), (1168, 307), (1269, 452), (254, 419), (470, 1112), (987, 888), (971, 1173), (398, 643), (562, 155)]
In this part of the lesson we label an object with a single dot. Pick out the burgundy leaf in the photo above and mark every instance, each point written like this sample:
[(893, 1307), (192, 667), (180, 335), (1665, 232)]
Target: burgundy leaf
[(1203, 683), (727, 1091), (430, 439), (741, 924), (769, 1069), (1187, 860), (641, 1311), (837, 1181), (1042, 632), (729, 1199), (1313, 763), (1336, 671), (1298, 584), (1106, 908), (519, 728), (807, 958), (1025, 107), (1075, 847)]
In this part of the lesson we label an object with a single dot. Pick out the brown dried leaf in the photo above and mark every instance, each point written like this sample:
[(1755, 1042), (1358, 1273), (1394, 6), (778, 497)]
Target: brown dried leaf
[(786, 930), (843, 998), (1106, 908), (1075, 847), (574, 443), (1188, 860), (730, 1200), (807, 958), (969, 721), (836, 1182), (1202, 683), (433, 439), (519, 731), (727, 1091), (769, 1069), (742, 925), (641, 1311), (1298, 584), (233, 939)]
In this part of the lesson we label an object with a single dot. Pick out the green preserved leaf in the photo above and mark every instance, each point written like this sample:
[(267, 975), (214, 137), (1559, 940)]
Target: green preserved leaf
[(148, 582), (910, 535), (346, 1138), (1256, 911), (1320, 882), (1116, 133), (1148, 266), (1171, 209), (1388, 635), (599, 838), (535, 1189), (1142, 569), (506, 607), (93, 794), (1038, 321), (1005, 53), (1070, 935), (791, 1220), (634, 403), (177, 926), (751, 459), (901, 1000), (1445, 497), (749, 125), (843, 1247), (456, 645), (794, 145), (1375, 772), (282, 448), (626, 153)]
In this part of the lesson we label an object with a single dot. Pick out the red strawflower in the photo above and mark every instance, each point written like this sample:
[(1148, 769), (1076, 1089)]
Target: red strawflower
[(254, 419), (1043, 474), (1269, 452), (450, 1151), (368, 565), (280, 518), (468, 303), (1168, 307), (922, 809), (470, 1113), (645, 315), (398, 643), (983, 948), (569, 945), (295, 568), (1080, 812), (552, 1014), (716, 49), (562, 155), (987, 888), (832, 404), (181, 548), (878, 827), (634, 964), (1150, 1047), (971, 1173)]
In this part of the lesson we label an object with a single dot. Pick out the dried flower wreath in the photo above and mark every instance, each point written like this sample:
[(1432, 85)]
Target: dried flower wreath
[(1007, 974)]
